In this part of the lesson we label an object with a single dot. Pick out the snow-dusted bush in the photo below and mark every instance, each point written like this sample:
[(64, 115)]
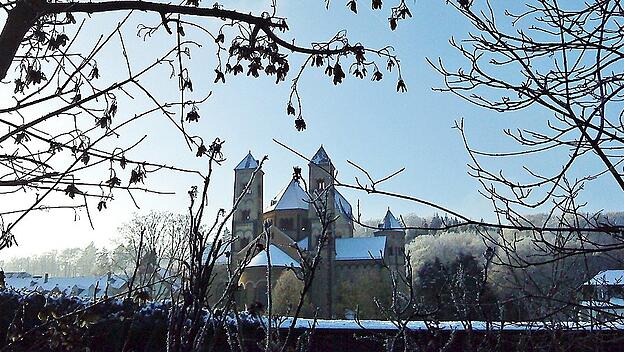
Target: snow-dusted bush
[(532, 272), (36, 322), (446, 247)]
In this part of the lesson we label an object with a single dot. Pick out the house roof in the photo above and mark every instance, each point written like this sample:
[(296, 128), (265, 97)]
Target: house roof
[(390, 222), (279, 258), (16, 274), (607, 277), (321, 157), (248, 162), (360, 248), (66, 285), (617, 303), (291, 197)]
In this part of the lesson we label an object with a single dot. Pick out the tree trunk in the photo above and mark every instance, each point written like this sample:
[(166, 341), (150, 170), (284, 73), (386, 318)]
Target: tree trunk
[(19, 21)]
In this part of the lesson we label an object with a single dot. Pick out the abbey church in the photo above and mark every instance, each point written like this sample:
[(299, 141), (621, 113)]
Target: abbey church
[(291, 219)]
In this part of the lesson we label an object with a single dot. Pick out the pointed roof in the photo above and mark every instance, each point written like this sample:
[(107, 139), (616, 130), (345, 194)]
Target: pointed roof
[(321, 157), (279, 258), (248, 162), (342, 204), (278, 238), (390, 222), (291, 197)]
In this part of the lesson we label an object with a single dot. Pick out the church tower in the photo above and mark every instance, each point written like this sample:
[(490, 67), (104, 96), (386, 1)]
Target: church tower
[(321, 189), (394, 231), (247, 219)]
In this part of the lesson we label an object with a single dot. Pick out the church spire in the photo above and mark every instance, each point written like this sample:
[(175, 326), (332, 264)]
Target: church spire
[(248, 162), (321, 157)]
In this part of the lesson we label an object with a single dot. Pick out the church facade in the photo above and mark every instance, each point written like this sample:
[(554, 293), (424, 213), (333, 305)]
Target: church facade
[(292, 221)]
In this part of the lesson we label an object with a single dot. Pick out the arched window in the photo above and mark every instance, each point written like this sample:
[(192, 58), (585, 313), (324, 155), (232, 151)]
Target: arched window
[(320, 184)]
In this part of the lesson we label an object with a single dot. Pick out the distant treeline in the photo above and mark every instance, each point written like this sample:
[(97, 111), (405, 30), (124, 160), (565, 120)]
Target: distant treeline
[(431, 223), (69, 262)]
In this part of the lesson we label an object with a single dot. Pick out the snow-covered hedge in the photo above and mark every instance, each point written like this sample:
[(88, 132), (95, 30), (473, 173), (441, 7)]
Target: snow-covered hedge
[(33, 321)]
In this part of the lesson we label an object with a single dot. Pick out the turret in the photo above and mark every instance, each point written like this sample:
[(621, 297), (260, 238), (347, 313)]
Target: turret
[(394, 231), (320, 186)]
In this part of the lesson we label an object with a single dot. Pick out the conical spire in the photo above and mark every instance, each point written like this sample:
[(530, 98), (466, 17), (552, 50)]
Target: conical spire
[(248, 162), (321, 157), (291, 197)]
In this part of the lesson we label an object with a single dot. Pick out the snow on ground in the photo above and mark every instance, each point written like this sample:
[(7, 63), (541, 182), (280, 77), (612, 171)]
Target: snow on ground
[(382, 325)]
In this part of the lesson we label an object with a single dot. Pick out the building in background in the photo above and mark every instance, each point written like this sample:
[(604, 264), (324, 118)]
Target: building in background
[(82, 286), (603, 296), (291, 219)]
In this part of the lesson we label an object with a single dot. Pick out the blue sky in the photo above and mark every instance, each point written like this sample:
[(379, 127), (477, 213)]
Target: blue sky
[(359, 120)]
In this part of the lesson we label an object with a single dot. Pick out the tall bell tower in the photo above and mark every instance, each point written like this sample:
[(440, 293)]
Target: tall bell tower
[(321, 189), (247, 219)]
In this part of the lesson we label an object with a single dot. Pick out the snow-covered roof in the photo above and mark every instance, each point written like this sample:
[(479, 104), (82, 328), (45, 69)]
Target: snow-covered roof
[(343, 205), (607, 277), (612, 303), (67, 285), (279, 258), (248, 162), (390, 222), (291, 197), (321, 157), (116, 281), (360, 248), (16, 274), (355, 248)]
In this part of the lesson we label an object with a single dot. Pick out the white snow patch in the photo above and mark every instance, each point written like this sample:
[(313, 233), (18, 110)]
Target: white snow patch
[(83, 286), (444, 325)]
